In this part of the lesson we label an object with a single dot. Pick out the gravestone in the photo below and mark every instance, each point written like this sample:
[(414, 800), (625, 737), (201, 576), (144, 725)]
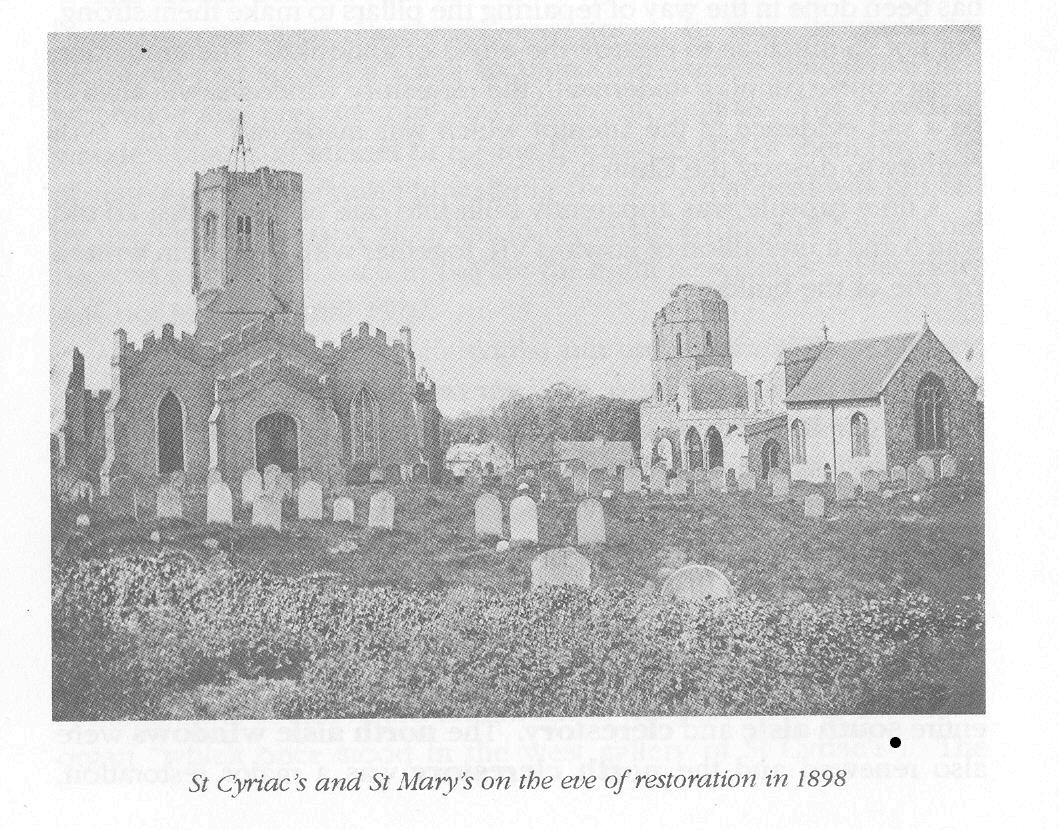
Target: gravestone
[(83, 520), (678, 486), (343, 510), (488, 517), (560, 566), (598, 481), (82, 491), (169, 502), (380, 511), (285, 483), (213, 477), (844, 487), (870, 481), (267, 511), (311, 501), (579, 478), (747, 482), (814, 506), (251, 487), (926, 464), (659, 474), (591, 528), (917, 480), (631, 480), (948, 466), (219, 504), (898, 475), (696, 583), (718, 480), (524, 529), (377, 476), (270, 479), (781, 485)]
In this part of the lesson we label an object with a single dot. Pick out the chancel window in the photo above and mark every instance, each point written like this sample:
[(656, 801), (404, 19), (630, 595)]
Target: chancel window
[(930, 405), (365, 417), (797, 442), (861, 443)]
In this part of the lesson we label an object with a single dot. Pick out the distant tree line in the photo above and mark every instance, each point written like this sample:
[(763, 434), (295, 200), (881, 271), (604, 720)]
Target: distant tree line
[(559, 413)]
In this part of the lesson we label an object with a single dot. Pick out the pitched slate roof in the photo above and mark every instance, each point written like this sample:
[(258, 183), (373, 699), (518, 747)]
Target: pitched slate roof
[(854, 370)]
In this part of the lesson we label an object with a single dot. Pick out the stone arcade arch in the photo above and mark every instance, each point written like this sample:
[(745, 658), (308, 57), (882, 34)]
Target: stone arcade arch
[(770, 457), (170, 435), (714, 448), (693, 442), (276, 442)]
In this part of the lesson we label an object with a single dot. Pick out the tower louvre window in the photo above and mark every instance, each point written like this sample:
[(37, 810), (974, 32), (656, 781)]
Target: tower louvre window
[(209, 231), (242, 233)]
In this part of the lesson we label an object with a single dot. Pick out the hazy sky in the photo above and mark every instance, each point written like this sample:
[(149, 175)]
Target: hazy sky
[(525, 200)]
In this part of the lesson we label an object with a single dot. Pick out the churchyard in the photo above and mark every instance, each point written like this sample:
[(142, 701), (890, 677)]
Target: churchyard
[(886, 568)]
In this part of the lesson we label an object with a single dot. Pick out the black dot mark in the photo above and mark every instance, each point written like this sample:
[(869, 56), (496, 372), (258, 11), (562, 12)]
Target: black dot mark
[(143, 49), (895, 742)]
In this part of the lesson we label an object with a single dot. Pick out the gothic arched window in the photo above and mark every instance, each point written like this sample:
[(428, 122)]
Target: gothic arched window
[(170, 435), (209, 231), (930, 405), (365, 418), (242, 233), (693, 443), (797, 442), (860, 440)]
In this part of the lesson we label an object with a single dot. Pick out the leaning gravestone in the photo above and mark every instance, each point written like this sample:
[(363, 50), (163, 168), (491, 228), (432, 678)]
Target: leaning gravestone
[(270, 479), (870, 481), (488, 517), (844, 487), (560, 566), (917, 480), (695, 583), (380, 511), (219, 504), (524, 528), (659, 474), (631, 480), (267, 511), (311, 501), (213, 477), (343, 510), (251, 488), (169, 502), (678, 485), (926, 464), (814, 506), (591, 528), (781, 485), (898, 475), (747, 482), (948, 466)]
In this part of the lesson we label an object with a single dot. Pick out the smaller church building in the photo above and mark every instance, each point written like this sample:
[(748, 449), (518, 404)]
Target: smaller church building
[(824, 409)]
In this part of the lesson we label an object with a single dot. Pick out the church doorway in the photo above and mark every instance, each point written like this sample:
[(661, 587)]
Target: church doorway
[(770, 457), (663, 453), (276, 442), (714, 448)]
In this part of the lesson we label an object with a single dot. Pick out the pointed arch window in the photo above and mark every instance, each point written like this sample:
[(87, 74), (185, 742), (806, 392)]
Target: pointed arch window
[(209, 231), (693, 449), (170, 435), (242, 232), (931, 404), (365, 418), (797, 442), (859, 437)]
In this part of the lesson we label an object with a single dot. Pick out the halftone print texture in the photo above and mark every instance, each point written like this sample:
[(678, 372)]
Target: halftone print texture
[(516, 373)]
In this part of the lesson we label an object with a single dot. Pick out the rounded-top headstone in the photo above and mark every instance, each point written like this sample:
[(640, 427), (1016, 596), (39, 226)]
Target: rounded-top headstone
[(488, 516), (696, 583)]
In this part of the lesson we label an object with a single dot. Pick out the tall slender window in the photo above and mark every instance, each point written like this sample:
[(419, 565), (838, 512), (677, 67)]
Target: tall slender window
[(930, 404), (680, 345), (797, 442), (170, 435), (242, 233), (858, 428), (209, 231), (693, 450), (365, 428), (658, 392)]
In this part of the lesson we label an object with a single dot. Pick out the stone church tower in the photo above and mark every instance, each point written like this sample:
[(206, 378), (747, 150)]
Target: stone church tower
[(247, 256), (690, 333)]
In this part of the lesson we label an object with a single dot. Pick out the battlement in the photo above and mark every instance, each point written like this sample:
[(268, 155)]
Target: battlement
[(377, 342), (127, 353), (264, 178)]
